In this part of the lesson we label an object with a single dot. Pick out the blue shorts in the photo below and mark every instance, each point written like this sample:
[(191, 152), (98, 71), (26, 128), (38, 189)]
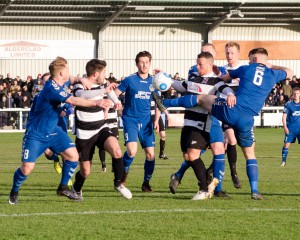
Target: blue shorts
[(216, 132), (241, 122), (141, 129), (291, 137), (34, 146)]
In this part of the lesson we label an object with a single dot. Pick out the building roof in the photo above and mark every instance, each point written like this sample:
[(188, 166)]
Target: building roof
[(171, 12)]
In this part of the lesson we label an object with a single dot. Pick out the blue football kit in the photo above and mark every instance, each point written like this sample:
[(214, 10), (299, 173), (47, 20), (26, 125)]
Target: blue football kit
[(42, 131), (256, 81), (136, 114), (292, 110)]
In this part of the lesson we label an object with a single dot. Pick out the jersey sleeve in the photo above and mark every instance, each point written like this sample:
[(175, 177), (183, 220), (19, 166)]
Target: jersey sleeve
[(124, 85), (281, 75), (56, 93), (237, 72)]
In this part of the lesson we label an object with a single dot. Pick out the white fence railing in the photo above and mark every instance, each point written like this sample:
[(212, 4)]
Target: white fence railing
[(268, 117)]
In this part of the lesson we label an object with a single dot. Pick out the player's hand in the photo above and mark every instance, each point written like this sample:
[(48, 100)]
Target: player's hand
[(156, 70), (231, 100), (118, 106), (286, 130), (104, 103), (216, 70), (86, 83), (110, 87)]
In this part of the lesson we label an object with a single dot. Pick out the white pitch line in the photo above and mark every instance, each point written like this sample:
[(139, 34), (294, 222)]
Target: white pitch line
[(152, 211)]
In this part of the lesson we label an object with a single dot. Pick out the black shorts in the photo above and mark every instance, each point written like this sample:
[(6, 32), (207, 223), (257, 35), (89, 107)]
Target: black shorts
[(115, 132), (86, 147), (193, 138), (161, 124)]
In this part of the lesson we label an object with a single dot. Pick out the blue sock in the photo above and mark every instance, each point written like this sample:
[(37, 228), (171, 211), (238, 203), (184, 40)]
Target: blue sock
[(252, 173), (19, 178), (148, 169), (127, 161), (186, 101), (285, 152), (67, 171), (54, 157), (219, 170), (184, 166)]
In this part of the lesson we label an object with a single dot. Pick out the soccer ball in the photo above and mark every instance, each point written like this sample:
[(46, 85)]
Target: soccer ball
[(161, 81)]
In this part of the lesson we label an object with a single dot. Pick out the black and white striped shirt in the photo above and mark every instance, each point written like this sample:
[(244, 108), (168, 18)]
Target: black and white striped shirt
[(88, 120)]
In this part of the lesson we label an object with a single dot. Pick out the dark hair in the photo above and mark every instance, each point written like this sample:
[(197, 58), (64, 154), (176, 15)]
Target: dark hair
[(143, 54), (206, 55), (45, 74), (93, 66), (258, 51)]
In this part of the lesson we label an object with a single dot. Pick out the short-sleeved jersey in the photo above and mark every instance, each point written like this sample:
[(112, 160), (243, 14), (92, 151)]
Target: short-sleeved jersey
[(256, 82), (43, 116), (137, 96), (292, 110)]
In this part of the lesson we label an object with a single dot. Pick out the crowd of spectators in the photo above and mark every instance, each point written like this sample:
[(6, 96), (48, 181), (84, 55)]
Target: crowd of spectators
[(282, 92), (18, 93)]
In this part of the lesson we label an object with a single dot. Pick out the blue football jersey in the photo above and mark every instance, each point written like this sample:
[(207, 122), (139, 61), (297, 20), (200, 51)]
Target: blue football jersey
[(43, 116), (292, 110), (256, 82), (137, 96)]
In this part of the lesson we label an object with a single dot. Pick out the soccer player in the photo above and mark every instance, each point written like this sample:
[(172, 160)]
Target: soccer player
[(216, 136), (195, 135), (42, 131), (136, 117), (92, 130), (256, 81), (291, 123), (232, 51)]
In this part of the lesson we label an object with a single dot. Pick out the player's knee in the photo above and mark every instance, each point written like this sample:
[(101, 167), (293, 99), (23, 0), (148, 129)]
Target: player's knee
[(117, 153), (26, 169), (85, 172)]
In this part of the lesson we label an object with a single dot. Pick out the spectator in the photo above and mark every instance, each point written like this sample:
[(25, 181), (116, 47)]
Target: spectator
[(37, 88), (1, 78), (18, 98), (25, 92), (29, 84), (19, 80), (111, 78), (25, 103), (270, 102), (15, 87), (281, 101), (10, 103), (3, 115), (8, 80), (2, 91), (294, 82), (287, 89)]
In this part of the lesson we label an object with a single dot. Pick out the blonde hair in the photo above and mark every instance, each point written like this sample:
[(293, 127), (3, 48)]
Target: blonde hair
[(57, 65), (233, 44)]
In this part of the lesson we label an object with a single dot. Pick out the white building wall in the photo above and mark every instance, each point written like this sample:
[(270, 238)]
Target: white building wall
[(264, 33), (174, 49)]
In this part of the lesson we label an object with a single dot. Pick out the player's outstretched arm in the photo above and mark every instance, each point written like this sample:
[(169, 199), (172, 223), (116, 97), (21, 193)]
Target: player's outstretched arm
[(82, 102), (289, 72)]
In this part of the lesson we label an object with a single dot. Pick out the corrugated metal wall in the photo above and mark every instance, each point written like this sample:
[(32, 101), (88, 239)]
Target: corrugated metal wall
[(174, 49), (26, 67), (270, 33)]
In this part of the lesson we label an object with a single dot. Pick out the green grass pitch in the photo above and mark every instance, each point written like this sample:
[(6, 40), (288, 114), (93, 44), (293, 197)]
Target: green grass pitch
[(41, 214)]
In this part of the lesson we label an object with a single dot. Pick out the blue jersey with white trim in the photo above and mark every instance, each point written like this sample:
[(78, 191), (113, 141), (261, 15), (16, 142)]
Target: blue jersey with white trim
[(292, 109), (43, 116), (256, 82), (137, 96)]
